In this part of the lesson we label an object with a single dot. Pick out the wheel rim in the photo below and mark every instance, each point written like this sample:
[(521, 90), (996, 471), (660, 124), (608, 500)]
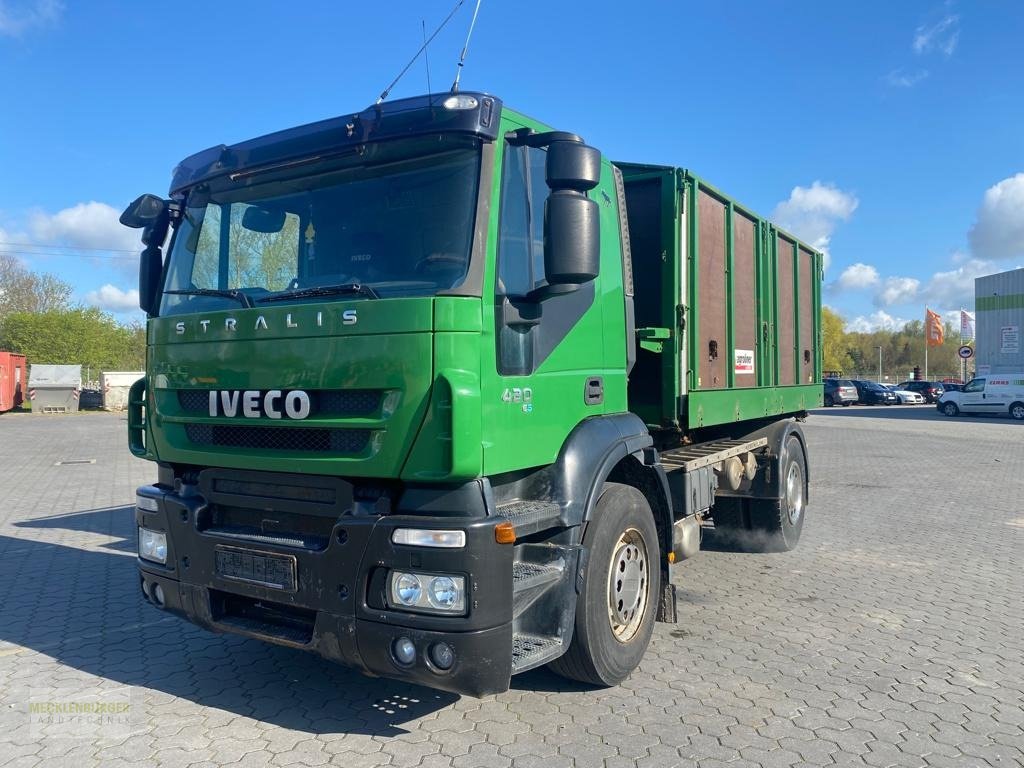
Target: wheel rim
[(1018, 412), (794, 492), (951, 410), (628, 585)]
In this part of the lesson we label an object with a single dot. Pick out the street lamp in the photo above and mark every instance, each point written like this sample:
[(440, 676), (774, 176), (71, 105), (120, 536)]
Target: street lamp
[(879, 365)]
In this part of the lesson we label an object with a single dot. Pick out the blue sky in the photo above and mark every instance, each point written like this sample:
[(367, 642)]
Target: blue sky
[(891, 134)]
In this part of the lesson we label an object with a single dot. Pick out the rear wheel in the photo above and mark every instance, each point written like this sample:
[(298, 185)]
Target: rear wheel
[(1017, 411), (617, 603), (768, 525), (950, 409)]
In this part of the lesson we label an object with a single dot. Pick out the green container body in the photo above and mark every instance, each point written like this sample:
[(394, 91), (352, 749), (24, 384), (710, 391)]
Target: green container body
[(728, 306)]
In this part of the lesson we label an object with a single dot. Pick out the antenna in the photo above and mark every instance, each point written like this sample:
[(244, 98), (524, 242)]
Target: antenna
[(465, 48), (426, 59), (386, 91)]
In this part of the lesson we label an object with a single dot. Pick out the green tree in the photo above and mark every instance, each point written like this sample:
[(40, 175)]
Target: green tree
[(833, 342), (83, 336), (24, 291)]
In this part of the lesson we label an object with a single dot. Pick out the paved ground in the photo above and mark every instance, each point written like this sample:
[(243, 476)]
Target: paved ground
[(894, 635)]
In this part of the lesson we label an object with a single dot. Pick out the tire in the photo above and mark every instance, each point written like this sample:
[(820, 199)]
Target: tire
[(776, 524), (1017, 411), (950, 409), (847, 404), (611, 635)]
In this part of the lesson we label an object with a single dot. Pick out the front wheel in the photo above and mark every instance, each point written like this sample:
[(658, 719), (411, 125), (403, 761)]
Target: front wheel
[(617, 603), (1017, 411), (950, 409)]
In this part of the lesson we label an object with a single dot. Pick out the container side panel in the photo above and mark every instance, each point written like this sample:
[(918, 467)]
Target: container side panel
[(712, 346), (786, 323), (644, 211), (744, 302), (807, 313)]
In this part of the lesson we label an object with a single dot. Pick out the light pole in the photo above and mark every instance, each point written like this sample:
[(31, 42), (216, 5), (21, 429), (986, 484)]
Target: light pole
[(879, 365)]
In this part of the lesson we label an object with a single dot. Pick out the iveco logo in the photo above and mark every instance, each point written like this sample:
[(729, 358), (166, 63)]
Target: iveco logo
[(255, 404)]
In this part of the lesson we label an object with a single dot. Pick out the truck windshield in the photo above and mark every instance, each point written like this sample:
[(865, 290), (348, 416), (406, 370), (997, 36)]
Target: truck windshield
[(390, 219)]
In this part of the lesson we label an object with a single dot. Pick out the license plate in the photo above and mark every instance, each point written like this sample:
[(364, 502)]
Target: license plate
[(263, 568)]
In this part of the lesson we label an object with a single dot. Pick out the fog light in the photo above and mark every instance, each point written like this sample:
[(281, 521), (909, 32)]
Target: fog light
[(158, 595), (403, 651), (153, 545), (442, 656)]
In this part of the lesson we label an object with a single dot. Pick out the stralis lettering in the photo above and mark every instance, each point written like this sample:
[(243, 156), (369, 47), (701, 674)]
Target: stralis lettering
[(255, 404), (347, 317)]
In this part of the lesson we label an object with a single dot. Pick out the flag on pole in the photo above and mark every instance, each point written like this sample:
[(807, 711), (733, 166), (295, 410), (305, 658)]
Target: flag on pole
[(966, 326), (933, 331)]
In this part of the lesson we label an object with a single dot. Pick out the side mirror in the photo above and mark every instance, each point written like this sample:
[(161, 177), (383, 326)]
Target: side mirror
[(572, 221), (144, 211), (151, 266), (257, 219)]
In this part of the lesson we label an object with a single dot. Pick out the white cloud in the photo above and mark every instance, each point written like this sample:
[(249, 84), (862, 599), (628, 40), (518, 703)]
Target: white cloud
[(955, 288), (856, 277), (876, 321), (812, 213), (18, 17), (897, 290), (90, 225), (941, 36), (998, 230), (904, 78), (113, 299)]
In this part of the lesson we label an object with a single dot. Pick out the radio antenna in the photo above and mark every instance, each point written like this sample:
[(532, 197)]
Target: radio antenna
[(465, 48), (386, 91), (426, 58)]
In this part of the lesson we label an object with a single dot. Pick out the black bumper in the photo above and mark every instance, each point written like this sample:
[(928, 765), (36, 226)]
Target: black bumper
[(338, 606)]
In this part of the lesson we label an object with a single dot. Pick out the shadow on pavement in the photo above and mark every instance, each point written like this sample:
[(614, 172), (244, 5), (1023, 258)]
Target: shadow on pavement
[(83, 608)]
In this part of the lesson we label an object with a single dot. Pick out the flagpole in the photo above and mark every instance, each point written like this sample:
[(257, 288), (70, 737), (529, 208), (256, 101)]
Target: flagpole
[(926, 343)]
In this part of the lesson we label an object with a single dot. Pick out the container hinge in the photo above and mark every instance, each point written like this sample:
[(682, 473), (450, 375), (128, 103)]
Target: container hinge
[(653, 339), (681, 317)]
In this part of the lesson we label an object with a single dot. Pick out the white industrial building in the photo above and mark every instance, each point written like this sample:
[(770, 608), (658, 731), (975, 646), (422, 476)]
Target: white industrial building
[(999, 318)]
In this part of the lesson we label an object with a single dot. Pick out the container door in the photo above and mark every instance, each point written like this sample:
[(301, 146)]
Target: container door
[(786, 319), (713, 352)]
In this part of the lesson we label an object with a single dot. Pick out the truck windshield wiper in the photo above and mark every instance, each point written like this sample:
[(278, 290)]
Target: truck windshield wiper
[(238, 296), (324, 290)]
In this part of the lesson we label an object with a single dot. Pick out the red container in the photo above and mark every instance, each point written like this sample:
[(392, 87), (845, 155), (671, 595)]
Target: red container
[(13, 380)]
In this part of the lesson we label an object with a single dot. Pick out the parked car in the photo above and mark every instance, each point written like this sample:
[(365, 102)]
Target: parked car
[(997, 393), (839, 392), (952, 386), (930, 390), (872, 393), (905, 396)]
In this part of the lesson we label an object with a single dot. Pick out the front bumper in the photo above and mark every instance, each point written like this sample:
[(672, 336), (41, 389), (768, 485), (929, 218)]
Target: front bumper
[(338, 606)]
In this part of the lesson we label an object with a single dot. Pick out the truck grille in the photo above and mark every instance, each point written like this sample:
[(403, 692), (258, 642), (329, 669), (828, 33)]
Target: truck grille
[(324, 402), (279, 438)]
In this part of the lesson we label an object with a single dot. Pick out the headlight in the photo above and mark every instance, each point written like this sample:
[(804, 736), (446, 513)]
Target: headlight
[(153, 545), (427, 592)]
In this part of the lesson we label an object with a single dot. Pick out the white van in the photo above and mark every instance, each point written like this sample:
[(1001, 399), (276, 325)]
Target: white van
[(999, 393)]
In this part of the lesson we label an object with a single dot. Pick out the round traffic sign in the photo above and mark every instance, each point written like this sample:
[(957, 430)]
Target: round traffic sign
[(966, 352)]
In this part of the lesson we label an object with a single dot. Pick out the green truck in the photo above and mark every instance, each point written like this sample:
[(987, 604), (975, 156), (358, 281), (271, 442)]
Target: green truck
[(441, 393)]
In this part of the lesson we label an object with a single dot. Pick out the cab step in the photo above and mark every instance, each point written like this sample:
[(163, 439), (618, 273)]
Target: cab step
[(531, 516), (531, 581), (529, 651)]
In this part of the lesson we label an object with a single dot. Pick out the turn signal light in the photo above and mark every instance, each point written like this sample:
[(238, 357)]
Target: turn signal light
[(505, 533)]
